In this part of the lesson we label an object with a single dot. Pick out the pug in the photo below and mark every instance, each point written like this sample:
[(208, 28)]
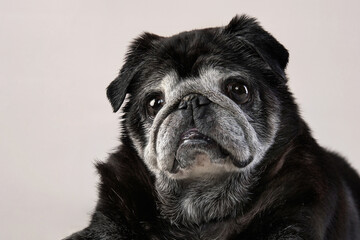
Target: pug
[(213, 146)]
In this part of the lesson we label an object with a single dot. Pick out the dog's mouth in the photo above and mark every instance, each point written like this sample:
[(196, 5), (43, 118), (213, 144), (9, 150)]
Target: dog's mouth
[(198, 154), (194, 134)]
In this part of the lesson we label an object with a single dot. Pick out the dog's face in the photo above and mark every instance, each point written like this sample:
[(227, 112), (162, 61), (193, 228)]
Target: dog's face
[(204, 108)]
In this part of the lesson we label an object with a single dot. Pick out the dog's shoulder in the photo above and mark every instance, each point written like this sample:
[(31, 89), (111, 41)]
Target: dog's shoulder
[(312, 185), (126, 199), (126, 187), (349, 176), (102, 227)]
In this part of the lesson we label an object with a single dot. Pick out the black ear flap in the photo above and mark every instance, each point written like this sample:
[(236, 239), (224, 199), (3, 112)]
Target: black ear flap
[(270, 50), (116, 91), (118, 88)]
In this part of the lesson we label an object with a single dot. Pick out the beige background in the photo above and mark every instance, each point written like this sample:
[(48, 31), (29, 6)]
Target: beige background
[(57, 58)]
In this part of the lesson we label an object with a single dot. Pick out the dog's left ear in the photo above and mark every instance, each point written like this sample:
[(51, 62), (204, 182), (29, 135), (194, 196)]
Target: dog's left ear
[(118, 88), (270, 50)]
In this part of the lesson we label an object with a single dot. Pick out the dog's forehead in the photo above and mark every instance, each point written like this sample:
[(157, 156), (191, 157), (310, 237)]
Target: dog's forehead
[(208, 76), (188, 51), (199, 56)]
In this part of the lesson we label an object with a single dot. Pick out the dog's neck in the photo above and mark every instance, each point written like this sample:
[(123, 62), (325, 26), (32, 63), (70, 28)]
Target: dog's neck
[(199, 202)]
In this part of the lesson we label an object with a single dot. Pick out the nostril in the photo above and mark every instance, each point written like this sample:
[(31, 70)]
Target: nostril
[(194, 100), (182, 105), (202, 100)]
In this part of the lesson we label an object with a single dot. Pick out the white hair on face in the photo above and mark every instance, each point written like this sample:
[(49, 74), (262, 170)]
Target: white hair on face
[(208, 83), (235, 127)]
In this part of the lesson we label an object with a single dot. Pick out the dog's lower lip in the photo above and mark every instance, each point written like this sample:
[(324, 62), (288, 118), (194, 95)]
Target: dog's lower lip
[(193, 139), (193, 134), (197, 141)]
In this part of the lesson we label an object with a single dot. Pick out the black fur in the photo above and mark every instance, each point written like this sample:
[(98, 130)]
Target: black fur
[(302, 191)]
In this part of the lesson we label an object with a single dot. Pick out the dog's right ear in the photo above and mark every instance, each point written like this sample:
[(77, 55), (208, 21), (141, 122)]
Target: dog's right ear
[(118, 88)]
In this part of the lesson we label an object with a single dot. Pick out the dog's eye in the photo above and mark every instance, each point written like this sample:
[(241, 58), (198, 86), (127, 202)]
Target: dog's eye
[(237, 91), (154, 104)]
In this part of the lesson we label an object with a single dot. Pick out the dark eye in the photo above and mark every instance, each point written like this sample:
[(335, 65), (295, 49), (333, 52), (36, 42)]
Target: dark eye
[(154, 104), (237, 91)]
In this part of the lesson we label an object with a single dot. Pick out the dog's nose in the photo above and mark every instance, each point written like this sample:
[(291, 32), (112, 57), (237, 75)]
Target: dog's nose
[(195, 100), (200, 101)]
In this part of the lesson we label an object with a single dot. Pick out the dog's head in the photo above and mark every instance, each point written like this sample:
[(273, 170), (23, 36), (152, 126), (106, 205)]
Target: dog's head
[(204, 107)]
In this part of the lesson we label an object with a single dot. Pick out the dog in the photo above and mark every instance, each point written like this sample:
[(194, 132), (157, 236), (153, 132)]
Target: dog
[(213, 146)]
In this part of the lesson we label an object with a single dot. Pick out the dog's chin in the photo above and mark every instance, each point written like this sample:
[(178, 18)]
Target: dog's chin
[(199, 156)]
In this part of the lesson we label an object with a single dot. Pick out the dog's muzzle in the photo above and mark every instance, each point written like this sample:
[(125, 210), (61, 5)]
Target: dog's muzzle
[(196, 148)]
